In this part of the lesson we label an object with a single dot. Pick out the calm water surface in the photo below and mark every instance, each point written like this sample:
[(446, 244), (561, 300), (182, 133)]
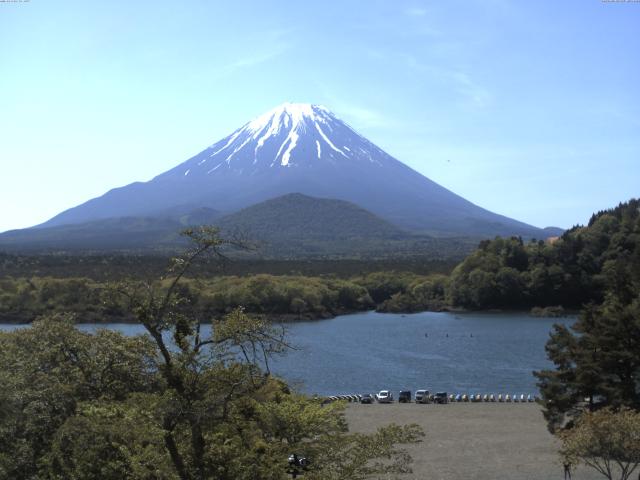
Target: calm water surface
[(366, 352)]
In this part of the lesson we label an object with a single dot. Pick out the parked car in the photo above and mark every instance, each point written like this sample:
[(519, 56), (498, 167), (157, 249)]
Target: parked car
[(441, 397), (366, 398), (384, 396), (422, 396), (458, 397), (404, 396)]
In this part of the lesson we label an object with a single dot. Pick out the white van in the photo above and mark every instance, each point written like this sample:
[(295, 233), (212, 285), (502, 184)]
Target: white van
[(422, 396)]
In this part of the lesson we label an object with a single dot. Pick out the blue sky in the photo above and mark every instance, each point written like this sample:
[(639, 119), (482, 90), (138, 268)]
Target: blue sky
[(529, 109)]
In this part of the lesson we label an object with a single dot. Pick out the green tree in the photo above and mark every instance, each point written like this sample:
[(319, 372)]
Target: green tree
[(110, 441), (47, 371), (607, 441), (599, 361)]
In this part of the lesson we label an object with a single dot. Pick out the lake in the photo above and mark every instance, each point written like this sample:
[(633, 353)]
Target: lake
[(367, 352)]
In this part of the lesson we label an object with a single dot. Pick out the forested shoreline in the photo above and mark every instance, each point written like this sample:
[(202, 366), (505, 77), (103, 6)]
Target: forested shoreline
[(546, 277), (279, 298)]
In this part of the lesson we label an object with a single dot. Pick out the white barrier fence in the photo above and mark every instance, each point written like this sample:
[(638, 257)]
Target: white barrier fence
[(454, 398)]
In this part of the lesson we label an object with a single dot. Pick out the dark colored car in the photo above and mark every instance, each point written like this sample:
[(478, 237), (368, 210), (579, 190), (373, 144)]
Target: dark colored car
[(404, 396), (366, 398), (441, 397)]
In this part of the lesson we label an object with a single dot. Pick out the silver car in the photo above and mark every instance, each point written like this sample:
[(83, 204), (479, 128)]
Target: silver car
[(384, 396)]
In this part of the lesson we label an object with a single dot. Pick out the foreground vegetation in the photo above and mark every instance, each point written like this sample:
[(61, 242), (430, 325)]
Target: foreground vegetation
[(172, 404), (606, 440), (592, 397), (598, 358)]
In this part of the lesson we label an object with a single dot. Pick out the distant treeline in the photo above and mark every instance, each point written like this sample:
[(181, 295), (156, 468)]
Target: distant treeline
[(113, 267), (574, 270), (22, 300)]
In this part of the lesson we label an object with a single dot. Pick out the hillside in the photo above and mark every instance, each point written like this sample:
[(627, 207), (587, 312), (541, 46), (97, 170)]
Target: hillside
[(299, 226), (290, 227), (111, 234), (298, 216)]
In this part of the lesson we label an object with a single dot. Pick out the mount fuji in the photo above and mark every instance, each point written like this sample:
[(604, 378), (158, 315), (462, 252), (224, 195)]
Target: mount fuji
[(298, 148)]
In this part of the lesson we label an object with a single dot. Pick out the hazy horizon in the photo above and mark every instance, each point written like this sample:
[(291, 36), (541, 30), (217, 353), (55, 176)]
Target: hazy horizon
[(528, 110)]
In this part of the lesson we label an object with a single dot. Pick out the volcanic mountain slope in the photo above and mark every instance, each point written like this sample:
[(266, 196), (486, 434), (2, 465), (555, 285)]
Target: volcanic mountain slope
[(307, 149), (110, 234)]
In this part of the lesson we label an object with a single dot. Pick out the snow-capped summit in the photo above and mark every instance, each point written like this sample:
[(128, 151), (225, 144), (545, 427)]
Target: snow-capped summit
[(289, 113), (299, 148), (290, 135)]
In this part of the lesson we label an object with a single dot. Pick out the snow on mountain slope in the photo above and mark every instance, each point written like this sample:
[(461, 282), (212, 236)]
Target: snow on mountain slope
[(290, 135)]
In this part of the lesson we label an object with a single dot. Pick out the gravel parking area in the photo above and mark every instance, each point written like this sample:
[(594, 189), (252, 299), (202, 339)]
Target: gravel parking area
[(473, 440)]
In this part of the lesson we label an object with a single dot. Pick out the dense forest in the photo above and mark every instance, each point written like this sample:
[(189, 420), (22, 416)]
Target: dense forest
[(505, 273), (568, 272), (574, 270), (597, 359)]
